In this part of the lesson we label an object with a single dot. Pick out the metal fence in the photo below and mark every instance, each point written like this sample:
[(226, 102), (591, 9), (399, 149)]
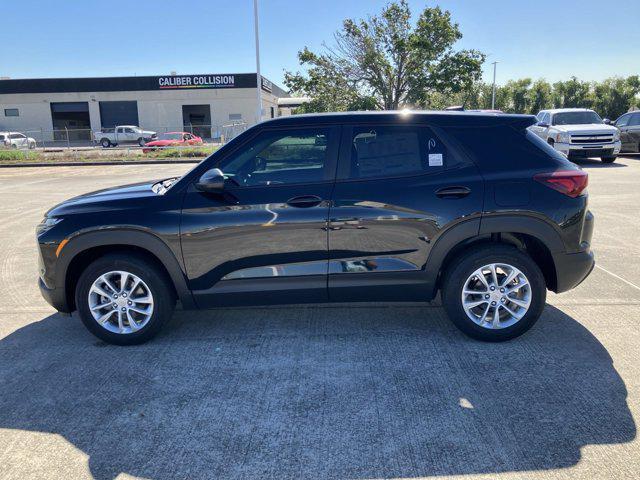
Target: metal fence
[(70, 138)]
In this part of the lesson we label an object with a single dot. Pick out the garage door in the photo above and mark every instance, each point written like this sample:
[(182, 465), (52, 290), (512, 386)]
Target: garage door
[(70, 120), (118, 113)]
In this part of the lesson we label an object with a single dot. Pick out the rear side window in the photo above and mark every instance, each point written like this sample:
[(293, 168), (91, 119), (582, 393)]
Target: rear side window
[(392, 151), (504, 148)]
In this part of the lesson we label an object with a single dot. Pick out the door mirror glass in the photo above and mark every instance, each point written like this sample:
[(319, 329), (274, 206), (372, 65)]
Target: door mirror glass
[(211, 181), (543, 124), (606, 121)]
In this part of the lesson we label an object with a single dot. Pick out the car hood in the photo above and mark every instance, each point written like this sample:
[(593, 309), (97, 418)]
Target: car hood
[(593, 128), (122, 197)]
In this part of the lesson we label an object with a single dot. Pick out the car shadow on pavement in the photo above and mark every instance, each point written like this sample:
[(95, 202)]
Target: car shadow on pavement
[(596, 163), (307, 392)]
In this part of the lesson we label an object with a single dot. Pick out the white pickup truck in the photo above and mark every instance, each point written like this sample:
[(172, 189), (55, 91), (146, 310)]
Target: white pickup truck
[(578, 133), (108, 137)]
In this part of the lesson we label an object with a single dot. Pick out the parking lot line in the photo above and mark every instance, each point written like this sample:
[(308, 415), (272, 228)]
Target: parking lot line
[(618, 277)]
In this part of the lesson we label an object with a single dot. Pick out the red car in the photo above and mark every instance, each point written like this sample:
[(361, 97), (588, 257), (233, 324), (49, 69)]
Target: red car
[(172, 139)]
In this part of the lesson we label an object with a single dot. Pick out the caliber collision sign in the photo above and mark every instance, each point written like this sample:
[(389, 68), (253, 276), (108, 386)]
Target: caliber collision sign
[(197, 81)]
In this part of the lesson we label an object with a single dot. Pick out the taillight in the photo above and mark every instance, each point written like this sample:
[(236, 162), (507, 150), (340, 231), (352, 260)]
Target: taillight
[(569, 182)]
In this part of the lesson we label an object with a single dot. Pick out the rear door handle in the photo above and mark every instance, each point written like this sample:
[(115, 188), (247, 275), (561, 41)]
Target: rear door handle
[(453, 192), (304, 201)]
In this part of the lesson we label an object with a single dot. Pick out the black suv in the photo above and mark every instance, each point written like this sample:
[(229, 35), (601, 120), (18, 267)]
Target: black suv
[(391, 206)]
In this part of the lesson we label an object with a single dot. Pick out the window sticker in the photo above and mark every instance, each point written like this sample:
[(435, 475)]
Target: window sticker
[(435, 160)]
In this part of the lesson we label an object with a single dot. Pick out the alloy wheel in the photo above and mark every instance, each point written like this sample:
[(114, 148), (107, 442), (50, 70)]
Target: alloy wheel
[(120, 302), (496, 296)]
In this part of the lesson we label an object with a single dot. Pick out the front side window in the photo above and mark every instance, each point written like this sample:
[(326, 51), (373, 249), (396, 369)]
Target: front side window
[(623, 121), (129, 130), (635, 120), (391, 151), (280, 157)]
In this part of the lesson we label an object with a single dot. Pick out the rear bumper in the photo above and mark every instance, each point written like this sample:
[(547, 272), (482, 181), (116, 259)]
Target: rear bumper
[(572, 269), (54, 297)]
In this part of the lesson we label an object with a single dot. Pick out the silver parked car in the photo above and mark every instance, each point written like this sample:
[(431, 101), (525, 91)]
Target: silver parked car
[(16, 140)]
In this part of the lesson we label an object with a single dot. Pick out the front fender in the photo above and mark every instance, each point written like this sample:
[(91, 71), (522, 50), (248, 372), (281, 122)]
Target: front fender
[(122, 237)]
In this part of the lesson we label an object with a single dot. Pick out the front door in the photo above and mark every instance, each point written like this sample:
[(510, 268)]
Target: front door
[(398, 188), (264, 240), (630, 134)]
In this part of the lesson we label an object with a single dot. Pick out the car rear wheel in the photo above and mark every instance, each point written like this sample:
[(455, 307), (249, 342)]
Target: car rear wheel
[(124, 299), (608, 159), (494, 293), (105, 142)]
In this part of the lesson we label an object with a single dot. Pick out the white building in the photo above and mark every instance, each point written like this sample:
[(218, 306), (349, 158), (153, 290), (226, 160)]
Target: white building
[(52, 108)]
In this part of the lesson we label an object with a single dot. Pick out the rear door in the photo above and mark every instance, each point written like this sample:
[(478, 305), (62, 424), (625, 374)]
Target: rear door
[(398, 189), (265, 239)]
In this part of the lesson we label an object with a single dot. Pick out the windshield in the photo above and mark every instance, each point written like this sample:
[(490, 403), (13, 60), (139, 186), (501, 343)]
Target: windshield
[(576, 118), (170, 136)]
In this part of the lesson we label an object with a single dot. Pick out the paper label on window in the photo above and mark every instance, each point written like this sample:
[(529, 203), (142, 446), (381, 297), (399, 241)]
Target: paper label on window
[(435, 159)]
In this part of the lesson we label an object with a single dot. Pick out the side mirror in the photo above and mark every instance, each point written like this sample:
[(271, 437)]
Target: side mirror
[(543, 124), (606, 121), (212, 181)]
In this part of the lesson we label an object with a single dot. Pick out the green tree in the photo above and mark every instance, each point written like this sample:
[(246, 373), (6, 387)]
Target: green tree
[(540, 96), (517, 96), (388, 63), (615, 96), (572, 94)]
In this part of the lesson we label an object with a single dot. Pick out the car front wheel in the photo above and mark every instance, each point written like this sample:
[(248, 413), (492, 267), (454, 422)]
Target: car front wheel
[(494, 293), (124, 299), (608, 159)]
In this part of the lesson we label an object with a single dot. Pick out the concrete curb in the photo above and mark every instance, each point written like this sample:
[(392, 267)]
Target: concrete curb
[(93, 164)]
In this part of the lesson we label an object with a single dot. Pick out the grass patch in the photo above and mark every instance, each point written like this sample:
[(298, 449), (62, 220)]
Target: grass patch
[(18, 156), (195, 152)]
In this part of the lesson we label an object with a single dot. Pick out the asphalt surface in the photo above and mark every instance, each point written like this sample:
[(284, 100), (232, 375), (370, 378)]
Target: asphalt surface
[(340, 391)]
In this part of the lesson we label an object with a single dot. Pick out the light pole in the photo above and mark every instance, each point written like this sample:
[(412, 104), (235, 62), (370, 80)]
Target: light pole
[(258, 76), (493, 90)]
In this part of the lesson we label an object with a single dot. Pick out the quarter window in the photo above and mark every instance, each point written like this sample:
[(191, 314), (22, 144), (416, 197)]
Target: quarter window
[(389, 151), (280, 157)]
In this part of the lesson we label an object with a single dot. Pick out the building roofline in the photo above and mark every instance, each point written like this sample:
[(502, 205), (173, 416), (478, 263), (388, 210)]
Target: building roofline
[(136, 83)]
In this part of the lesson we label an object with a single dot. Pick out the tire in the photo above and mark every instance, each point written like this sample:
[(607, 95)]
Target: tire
[(14, 146), (32, 145), (141, 142), (466, 266), (608, 159), (105, 142), (154, 285)]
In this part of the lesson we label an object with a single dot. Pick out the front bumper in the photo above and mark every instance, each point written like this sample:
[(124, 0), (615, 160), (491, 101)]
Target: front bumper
[(573, 150), (54, 297)]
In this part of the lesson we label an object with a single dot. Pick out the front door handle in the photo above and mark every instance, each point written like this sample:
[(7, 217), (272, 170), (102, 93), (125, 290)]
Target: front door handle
[(453, 192), (304, 201)]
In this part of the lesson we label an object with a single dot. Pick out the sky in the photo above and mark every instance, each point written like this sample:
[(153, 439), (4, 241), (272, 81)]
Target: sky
[(548, 39)]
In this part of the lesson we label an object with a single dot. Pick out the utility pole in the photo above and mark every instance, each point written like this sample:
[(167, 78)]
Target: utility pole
[(493, 90), (258, 76)]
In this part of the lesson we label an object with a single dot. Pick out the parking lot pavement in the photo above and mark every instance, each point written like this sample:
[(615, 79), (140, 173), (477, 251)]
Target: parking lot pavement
[(338, 391)]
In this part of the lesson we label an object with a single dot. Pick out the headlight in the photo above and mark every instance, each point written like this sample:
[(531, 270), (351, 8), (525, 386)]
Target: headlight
[(563, 137), (616, 136), (47, 224)]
